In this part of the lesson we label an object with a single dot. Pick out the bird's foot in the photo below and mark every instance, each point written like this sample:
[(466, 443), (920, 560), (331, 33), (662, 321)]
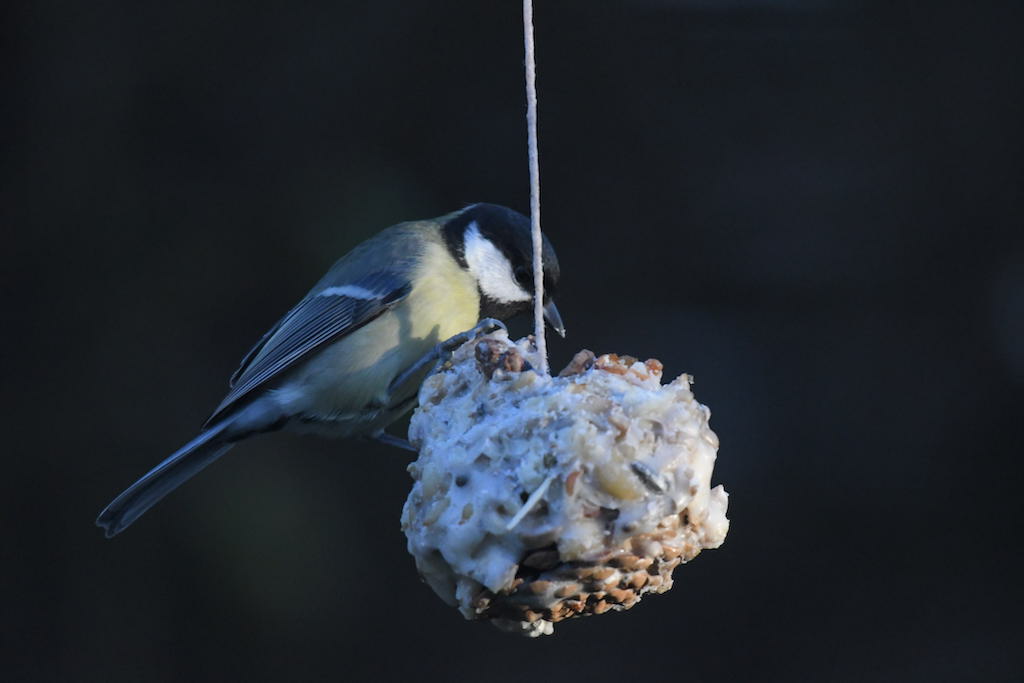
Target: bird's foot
[(443, 351), (485, 326), (391, 440)]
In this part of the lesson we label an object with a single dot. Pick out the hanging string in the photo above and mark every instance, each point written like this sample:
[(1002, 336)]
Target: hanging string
[(531, 131)]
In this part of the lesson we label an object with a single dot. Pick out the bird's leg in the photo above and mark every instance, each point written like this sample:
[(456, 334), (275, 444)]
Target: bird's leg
[(438, 355), (391, 440), (441, 352), (485, 326), (381, 436)]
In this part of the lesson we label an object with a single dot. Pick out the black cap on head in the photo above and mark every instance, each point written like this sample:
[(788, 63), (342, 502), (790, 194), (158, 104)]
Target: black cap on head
[(510, 232), (495, 243)]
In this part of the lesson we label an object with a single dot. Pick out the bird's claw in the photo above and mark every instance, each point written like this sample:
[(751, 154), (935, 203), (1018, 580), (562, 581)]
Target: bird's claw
[(485, 326), (391, 440), (442, 351)]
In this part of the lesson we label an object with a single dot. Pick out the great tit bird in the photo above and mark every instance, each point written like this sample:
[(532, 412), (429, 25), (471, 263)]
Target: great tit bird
[(347, 360)]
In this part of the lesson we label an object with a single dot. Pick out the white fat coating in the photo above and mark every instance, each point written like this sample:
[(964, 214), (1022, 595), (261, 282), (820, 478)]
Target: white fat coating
[(522, 461), (491, 269), (352, 291)]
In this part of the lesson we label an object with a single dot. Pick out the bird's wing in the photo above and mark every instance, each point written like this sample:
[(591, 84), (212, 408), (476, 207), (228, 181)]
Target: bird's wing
[(324, 316), (253, 352)]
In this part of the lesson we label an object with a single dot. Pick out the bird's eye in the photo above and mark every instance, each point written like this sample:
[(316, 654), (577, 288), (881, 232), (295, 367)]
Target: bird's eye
[(522, 275)]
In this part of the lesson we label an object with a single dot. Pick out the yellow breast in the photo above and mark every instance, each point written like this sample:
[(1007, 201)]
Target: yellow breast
[(355, 372)]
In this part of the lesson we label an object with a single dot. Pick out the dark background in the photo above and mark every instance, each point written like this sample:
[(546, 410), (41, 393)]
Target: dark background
[(813, 207)]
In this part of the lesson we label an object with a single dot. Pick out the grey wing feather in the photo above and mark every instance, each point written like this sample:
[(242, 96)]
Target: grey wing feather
[(253, 352), (317, 320)]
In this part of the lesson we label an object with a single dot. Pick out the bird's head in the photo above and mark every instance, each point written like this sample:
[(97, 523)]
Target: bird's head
[(494, 244)]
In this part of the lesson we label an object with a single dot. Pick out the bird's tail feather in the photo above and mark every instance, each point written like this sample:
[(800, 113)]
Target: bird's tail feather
[(174, 471)]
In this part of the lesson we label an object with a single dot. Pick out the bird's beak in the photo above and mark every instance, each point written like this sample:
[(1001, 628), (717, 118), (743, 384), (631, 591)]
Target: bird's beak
[(554, 318)]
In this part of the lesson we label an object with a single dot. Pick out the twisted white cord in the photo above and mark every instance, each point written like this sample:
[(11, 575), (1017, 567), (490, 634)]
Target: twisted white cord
[(531, 130)]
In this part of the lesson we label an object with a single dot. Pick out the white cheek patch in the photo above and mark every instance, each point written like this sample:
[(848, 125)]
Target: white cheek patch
[(491, 269), (351, 291)]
